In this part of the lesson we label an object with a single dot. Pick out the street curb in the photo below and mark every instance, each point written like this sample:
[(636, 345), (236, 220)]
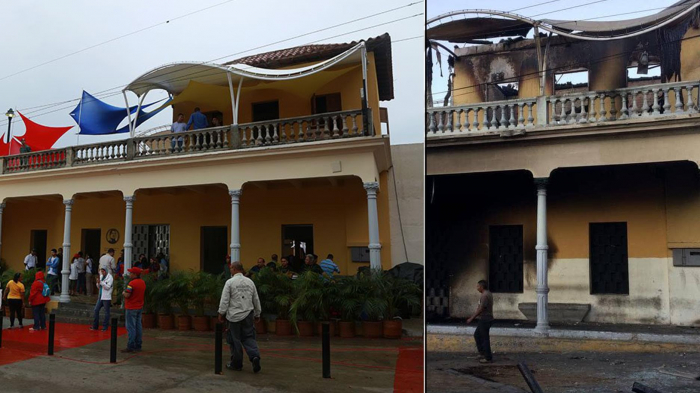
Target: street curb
[(571, 334)]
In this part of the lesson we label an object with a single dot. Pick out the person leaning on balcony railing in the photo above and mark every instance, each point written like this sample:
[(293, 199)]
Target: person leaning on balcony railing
[(178, 126), (24, 148)]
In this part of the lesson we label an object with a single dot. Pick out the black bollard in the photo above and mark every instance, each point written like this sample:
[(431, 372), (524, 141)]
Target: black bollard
[(52, 331), (218, 347), (326, 349), (113, 343), (2, 319)]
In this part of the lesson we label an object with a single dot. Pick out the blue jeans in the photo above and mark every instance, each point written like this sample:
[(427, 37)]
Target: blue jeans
[(39, 316), (96, 322), (134, 329)]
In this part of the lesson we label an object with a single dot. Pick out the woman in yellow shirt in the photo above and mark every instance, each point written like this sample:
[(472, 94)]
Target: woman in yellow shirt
[(14, 294)]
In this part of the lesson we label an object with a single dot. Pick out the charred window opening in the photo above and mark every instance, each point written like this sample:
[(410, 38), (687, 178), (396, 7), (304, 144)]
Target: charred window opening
[(608, 258), (571, 82)]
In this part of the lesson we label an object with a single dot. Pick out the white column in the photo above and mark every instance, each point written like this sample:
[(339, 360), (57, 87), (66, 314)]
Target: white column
[(235, 228), (65, 298), (542, 247), (2, 208), (128, 245), (375, 257)]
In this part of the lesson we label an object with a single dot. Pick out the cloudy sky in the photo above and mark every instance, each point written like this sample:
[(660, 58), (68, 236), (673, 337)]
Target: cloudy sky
[(545, 9), (38, 32)]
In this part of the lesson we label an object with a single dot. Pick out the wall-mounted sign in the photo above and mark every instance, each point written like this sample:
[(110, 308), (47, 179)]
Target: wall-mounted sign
[(112, 236)]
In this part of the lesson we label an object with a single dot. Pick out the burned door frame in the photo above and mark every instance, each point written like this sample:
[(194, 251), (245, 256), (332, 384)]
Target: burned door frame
[(603, 263)]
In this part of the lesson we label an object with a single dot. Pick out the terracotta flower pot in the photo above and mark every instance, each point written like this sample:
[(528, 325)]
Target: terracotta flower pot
[(148, 321), (184, 322), (214, 321), (260, 327), (283, 327), (201, 324), (346, 329), (28, 313), (331, 327), (165, 321), (371, 329), (306, 328), (393, 328)]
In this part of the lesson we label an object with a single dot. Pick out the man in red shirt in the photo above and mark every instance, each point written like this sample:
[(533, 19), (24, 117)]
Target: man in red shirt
[(133, 295)]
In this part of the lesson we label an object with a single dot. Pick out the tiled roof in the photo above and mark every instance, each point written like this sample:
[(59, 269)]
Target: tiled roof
[(381, 46)]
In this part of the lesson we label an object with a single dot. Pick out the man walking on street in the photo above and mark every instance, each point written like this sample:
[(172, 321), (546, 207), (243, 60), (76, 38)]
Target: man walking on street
[(133, 302), (485, 313), (240, 306)]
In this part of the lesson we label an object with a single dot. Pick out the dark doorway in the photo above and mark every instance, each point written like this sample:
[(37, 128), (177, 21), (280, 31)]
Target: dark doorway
[(90, 243), (326, 103), (263, 111), (214, 248), (38, 243), (608, 258), (506, 258), (297, 241)]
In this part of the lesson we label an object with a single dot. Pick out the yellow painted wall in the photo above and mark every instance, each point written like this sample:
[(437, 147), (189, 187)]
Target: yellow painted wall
[(338, 214), (299, 104), (659, 292)]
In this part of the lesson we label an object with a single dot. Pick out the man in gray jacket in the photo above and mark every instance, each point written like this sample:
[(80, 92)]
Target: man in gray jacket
[(240, 306)]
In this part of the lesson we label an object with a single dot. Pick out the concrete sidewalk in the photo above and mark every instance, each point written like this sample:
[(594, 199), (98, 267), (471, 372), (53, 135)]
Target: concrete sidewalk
[(624, 333)]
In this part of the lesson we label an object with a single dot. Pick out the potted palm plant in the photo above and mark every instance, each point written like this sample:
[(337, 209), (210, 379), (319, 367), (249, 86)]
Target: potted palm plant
[(373, 304), (265, 281), (276, 292), (180, 285), (310, 305), (348, 300), (399, 294), (217, 289), (148, 318), (203, 284), (27, 280), (163, 299)]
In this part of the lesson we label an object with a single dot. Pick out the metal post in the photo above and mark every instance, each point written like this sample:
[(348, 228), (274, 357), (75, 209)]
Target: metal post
[(113, 342), (218, 347), (529, 378), (52, 330), (326, 349), (2, 320), (128, 115), (9, 136)]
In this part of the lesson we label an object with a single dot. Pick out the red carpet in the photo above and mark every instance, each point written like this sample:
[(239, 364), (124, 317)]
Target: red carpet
[(409, 371), (21, 344)]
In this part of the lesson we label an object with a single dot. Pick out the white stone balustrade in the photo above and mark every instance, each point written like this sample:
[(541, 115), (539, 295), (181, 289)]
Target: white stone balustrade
[(332, 125), (630, 103), (326, 126), (483, 117)]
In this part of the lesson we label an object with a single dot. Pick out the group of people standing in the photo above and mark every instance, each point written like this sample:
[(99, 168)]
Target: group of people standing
[(14, 295), (327, 267), (80, 268)]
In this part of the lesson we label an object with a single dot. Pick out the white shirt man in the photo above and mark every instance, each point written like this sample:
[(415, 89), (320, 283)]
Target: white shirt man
[(179, 125), (107, 262), (239, 298), (30, 261)]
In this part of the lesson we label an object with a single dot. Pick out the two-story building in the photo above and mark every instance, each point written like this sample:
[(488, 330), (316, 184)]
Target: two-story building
[(575, 198), (299, 165)]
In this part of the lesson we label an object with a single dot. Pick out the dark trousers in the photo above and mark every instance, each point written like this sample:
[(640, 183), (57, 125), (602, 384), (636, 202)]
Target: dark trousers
[(242, 334), (481, 336), (16, 309), (53, 283), (96, 322), (81, 283), (39, 316)]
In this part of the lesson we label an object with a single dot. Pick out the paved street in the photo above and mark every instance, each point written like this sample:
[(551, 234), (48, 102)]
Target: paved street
[(176, 362)]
